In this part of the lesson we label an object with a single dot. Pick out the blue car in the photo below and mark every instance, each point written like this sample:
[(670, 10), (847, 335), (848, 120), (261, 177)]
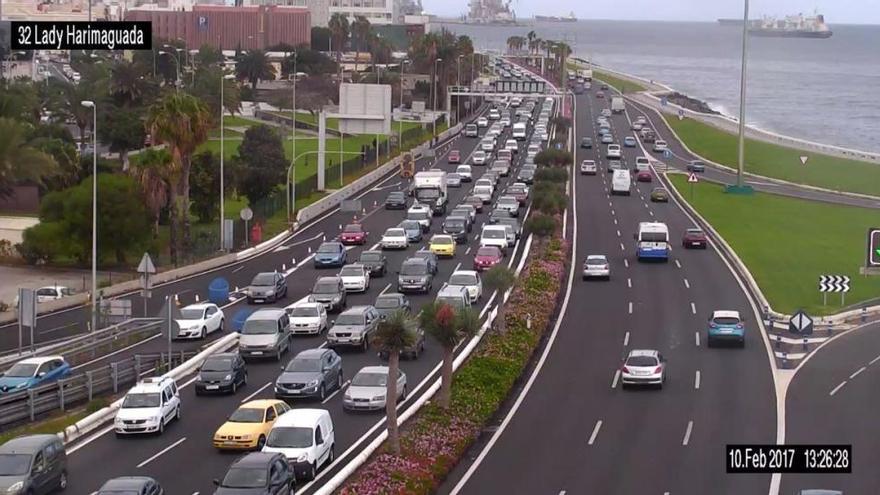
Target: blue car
[(726, 326), (330, 254), (32, 372), (629, 142), (412, 229)]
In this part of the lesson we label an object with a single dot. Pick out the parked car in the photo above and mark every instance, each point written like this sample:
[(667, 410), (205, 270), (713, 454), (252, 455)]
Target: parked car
[(596, 265), (247, 428), (266, 333), (629, 142), (588, 167), (368, 388), (694, 238), (375, 262), (470, 280), (355, 278), (659, 195), (198, 320), (223, 372), (613, 151), (306, 439), (33, 464), (453, 180), (430, 258), (443, 245), (457, 227), (659, 146), (353, 328), (330, 254), (644, 176), (353, 233), (33, 372), (394, 238), (454, 156), (465, 172), (586, 142), (412, 229), (258, 473), (330, 292), (474, 201), (392, 302), (396, 200), (415, 275), (643, 367), (311, 373), (412, 351), (307, 317), (267, 287), (479, 157)]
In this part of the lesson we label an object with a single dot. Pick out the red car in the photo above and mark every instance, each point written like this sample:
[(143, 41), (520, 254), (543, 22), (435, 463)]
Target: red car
[(487, 257), (694, 238), (474, 201), (644, 176), (454, 156), (353, 233), (600, 94)]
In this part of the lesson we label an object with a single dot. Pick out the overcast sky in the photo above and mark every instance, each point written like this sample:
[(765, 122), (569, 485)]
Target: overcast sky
[(835, 11)]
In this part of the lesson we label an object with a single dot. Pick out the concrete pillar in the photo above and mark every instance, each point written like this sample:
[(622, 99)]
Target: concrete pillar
[(322, 144)]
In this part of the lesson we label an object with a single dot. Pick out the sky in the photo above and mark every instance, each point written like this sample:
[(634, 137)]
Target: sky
[(835, 11)]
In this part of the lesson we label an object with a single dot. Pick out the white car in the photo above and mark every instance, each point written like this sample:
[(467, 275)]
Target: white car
[(487, 145), (482, 122), (544, 136), (470, 280), (198, 320), (494, 235), (420, 213), (505, 121), (659, 146), (368, 387), (479, 157), (483, 182), (606, 112), (394, 238), (465, 172), (484, 193), (512, 146), (148, 407), (494, 114), (596, 266), (493, 132), (643, 367), (307, 317), (533, 150), (588, 167), (613, 151), (355, 277)]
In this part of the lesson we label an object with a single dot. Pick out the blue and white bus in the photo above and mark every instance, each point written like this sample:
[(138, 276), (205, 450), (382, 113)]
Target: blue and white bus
[(652, 241)]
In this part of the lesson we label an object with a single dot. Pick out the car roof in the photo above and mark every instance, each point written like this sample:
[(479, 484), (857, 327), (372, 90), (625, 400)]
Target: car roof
[(596, 257), (199, 306), (266, 313), (374, 369), (643, 352), (390, 295), (255, 459), (261, 403), (223, 355), (358, 309), (725, 314), (415, 261), (152, 384), (310, 353), (26, 444), (126, 483), (465, 272), (301, 417), (40, 359)]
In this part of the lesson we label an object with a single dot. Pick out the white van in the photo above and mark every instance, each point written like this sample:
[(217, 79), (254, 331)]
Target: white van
[(306, 438), (519, 131), (454, 295), (470, 130), (621, 182), (148, 407), (265, 333), (642, 164), (495, 235)]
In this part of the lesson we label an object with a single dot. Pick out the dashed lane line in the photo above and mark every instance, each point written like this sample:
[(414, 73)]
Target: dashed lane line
[(595, 432), (166, 449), (835, 389), (687, 284), (615, 379), (257, 392), (697, 380), (697, 338), (626, 339), (693, 308), (857, 373), (687, 433)]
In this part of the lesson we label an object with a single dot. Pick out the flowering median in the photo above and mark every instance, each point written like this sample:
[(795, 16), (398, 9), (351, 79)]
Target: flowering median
[(434, 440)]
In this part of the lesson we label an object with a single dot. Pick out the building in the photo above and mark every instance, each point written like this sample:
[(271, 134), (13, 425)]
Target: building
[(248, 28), (319, 9), (375, 11)]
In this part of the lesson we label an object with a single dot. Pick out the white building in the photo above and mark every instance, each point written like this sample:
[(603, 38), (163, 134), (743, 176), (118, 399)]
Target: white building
[(375, 11), (319, 10)]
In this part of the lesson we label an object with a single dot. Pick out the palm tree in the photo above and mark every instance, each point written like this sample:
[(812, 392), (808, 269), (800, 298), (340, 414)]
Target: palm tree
[(19, 162), (531, 36), (448, 327), (394, 334), (360, 31), (499, 278), (339, 31), (253, 66), (74, 95), (153, 170), (182, 122), (128, 82)]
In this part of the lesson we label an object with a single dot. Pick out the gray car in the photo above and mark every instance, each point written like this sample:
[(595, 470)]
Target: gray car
[(368, 388), (353, 328), (391, 302), (311, 373), (267, 287), (131, 485), (34, 464), (412, 229), (415, 276), (412, 351), (329, 291)]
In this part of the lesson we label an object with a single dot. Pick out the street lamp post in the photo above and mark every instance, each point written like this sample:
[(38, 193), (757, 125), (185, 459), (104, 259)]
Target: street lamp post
[(400, 122), (223, 80), (434, 84), (458, 98), (293, 139), (94, 302), (742, 96), (176, 64), (471, 85), (290, 173)]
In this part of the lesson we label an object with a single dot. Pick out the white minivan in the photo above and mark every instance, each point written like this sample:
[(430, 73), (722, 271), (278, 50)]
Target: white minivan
[(494, 235), (148, 407), (519, 131), (306, 438), (621, 182)]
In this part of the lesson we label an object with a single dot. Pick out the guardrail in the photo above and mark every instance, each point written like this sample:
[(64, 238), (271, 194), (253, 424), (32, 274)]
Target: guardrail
[(30, 404)]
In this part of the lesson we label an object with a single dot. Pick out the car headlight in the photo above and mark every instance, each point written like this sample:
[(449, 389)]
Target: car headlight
[(336, 299), (245, 437), (270, 292), (15, 488), (313, 383), (347, 396), (302, 458), (157, 419), (379, 397), (228, 377)]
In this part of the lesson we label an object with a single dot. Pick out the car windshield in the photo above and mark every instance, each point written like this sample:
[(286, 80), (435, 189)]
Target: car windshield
[(595, 261), (290, 437), (369, 380), (440, 239), (328, 248), (14, 464), (368, 256), (508, 201), (21, 370), (191, 314), (463, 279), (217, 364), (494, 234), (304, 311), (641, 361), (395, 233), (350, 319), (414, 269), (455, 223), (487, 251), (133, 401), (389, 302), (245, 478), (725, 320), (427, 194), (453, 301), (352, 271), (247, 415), (326, 288), (264, 279), (259, 327), (353, 229), (694, 232), (303, 364)]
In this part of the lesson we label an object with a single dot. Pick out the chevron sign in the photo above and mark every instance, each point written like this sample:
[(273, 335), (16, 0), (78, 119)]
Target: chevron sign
[(833, 283)]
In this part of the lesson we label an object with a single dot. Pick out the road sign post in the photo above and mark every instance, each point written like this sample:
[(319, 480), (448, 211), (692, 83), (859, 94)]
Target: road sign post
[(692, 179), (146, 269), (800, 324), (873, 247), (27, 315), (246, 214), (834, 283)]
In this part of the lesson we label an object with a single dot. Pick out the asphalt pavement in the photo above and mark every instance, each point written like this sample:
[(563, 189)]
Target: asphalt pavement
[(576, 431), (188, 443)]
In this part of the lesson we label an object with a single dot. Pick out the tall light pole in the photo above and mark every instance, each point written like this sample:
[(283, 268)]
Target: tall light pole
[(176, 63), (742, 96), (293, 153), (434, 84), (223, 79), (471, 85), (94, 302), (458, 98), (400, 122)]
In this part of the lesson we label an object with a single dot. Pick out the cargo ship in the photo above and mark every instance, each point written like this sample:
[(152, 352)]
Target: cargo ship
[(793, 26), (552, 18)]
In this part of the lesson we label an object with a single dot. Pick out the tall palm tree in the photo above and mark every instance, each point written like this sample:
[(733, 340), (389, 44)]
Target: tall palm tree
[(19, 162), (339, 32), (360, 32), (182, 122), (253, 66), (394, 334), (448, 327), (154, 171), (531, 36), (128, 82)]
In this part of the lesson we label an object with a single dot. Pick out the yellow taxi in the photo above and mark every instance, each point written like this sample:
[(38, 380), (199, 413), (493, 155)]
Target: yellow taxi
[(443, 245), (248, 427)]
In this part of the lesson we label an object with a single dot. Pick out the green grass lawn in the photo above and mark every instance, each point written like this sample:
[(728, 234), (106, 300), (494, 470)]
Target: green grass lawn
[(788, 243), (622, 85), (779, 162)]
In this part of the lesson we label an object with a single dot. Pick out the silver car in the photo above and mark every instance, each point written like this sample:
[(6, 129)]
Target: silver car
[(368, 388), (353, 328), (597, 266), (643, 367), (311, 373)]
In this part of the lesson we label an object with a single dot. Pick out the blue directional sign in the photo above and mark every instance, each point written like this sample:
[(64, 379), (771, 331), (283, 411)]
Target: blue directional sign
[(800, 324), (667, 153)]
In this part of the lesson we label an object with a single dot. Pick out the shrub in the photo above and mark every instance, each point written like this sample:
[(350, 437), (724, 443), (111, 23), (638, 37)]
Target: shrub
[(554, 158), (551, 175), (541, 225), (549, 202), (42, 243)]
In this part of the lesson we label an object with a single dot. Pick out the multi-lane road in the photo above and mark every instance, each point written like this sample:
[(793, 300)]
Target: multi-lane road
[(575, 430), (183, 459)]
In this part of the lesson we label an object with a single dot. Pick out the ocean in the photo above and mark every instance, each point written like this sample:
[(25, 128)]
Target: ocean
[(821, 90)]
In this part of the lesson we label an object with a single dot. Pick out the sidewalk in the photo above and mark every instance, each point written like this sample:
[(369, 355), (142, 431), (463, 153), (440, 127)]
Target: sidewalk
[(34, 277)]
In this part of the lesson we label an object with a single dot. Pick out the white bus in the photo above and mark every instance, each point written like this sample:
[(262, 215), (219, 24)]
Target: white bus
[(519, 131), (652, 241)]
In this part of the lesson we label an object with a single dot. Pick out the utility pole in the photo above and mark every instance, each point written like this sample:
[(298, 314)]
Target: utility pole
[(742, 96)]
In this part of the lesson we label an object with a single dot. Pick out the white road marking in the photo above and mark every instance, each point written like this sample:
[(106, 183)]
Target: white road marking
[(347, 383), (595, 432), (693, 308), (626, 339), (618, 233), (874, 360), (687, 284), (621, 247), (626, 263), (609, 204), (629, 283), (615, 221), (834, 391), (687, 434), (374, 247), (238, 269), (166, 449), (857, 373), (677, 263), (630, 307), (612, 212), (249, 397), (697, 338), (456, 267), (697, 380), (385, 289), (651, 213), (468, 250)]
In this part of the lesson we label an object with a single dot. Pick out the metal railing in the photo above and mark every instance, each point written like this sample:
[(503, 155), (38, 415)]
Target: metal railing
[(29, 405)]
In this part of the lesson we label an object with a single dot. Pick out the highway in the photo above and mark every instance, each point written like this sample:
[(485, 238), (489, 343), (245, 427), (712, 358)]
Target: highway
[(575, 430), (188, 443), (826, 404)]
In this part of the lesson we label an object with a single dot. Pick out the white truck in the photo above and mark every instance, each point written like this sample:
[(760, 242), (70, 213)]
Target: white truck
[(429, 188), (617, 105), (587, 74)]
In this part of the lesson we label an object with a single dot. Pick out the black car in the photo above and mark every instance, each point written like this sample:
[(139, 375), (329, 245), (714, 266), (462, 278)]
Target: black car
[(396, 200), (526, 175), (375, 262), (391, 302), (428, 256), (131, 485), (267, 287), (457, 227), (411, 351), (586, 143), (258, 473), (223, 372)]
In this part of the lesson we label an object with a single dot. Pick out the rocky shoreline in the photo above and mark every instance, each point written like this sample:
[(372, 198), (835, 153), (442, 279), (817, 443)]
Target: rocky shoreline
[(689, 103)]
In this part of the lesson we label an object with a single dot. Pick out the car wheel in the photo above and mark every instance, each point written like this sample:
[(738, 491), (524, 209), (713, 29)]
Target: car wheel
[(332, 456), (261, 442), (222, 326), (62, 481), (322, 393), (178, 415), (366, 344), (204, 333), (278, 354), (403, 394), (339, 381), (313, 471), (234, 387), (244, 380), (161, 426)]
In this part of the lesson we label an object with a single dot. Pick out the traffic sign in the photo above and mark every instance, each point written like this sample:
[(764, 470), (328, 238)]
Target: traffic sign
[(146, 265), (667, 153), (693, 178), (800, 323), (874, 246), (833, 283), (246, 214), (804, 159), (681, 115)]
